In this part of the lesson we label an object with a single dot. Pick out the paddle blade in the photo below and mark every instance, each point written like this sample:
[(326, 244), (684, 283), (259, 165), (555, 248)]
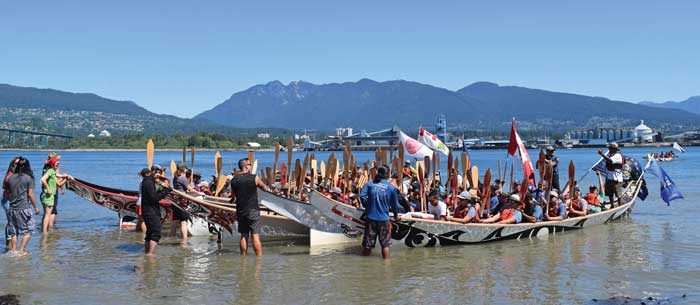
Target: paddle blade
[(220, 183), (277, 157), (150, 150), (323, 170), (270, 175), (290, 151), (173, 168), (218, 163), (523, 188), (572, 177), (255, 167), (474, 177)]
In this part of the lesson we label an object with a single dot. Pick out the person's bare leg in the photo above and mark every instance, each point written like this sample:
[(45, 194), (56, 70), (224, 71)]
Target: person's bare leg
[(13, 244), (23, 247), (386, 252), (244, 244), (173, 226), (151, 246), (257, 246), (183, 230), (45, 219), (52, 221)]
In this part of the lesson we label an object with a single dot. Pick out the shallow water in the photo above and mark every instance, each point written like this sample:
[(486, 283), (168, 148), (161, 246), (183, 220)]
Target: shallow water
[(88, 260)]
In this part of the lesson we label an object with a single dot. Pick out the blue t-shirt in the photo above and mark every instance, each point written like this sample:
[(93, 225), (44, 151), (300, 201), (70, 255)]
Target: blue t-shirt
[(518, 216), (561, 209), (537, 213), (472, 212), (494, 205), (377, 198)]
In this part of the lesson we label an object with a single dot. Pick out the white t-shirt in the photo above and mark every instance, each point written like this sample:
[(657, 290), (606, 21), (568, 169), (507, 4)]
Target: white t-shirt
[(438, 210), (615, 174)]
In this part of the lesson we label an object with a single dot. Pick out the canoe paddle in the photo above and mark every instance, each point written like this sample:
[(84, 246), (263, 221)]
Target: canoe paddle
[(150, 150)]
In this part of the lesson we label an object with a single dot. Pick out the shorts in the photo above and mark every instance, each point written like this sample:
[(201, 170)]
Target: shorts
[(6, 208), (47, 200), (55, 205), (613, 187), (248, 223), (153, 228), (20, 221), (374, 230), (180, 215)]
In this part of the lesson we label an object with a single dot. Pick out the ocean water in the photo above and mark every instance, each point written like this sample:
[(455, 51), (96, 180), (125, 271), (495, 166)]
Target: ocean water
[(89, 260)]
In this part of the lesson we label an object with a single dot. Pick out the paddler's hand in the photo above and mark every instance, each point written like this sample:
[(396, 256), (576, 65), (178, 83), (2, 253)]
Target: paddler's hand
[(600, 152)]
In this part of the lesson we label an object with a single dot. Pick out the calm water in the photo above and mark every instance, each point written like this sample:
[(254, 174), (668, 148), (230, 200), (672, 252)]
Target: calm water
[(88, 260)]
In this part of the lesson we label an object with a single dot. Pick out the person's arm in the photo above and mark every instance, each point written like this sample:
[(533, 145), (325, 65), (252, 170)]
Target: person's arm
[(510, 220), (44, 180), (364, 196), (261, 184), (394, 201), (443, 212), (492, 219), (32, 199), (529, 218)]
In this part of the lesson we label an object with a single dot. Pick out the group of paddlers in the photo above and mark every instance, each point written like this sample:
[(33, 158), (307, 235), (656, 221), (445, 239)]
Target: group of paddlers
[(663, 155), (21, 205)]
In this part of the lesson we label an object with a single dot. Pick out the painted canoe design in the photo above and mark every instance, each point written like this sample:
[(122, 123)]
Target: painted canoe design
[(217, 210), (431, 233), (121, 201)]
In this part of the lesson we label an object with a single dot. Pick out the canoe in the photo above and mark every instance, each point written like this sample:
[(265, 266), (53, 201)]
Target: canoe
[(323, 230), (660, 159), (124, 203), (410, 232), (222, 213)]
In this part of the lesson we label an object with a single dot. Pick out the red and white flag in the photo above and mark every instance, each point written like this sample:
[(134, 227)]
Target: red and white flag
[(413, 148), (517, 145)]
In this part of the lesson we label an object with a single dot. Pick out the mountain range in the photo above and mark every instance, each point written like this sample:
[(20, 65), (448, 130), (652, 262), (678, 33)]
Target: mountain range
[(370, 105), (365, 104), (692, 104)]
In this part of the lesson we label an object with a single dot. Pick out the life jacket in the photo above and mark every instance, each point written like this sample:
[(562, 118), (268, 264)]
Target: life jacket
[(576, 204), (591, 198)]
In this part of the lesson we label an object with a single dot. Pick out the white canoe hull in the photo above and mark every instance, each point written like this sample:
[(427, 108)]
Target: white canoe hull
[(430, 233)]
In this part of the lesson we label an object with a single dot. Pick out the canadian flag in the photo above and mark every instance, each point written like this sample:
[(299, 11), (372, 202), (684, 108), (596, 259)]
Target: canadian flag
[(516, 144), (413, 148), (432, 141)]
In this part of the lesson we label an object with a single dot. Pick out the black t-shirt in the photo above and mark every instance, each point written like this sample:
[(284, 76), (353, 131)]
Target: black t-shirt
[(246, 193), (150, 198)]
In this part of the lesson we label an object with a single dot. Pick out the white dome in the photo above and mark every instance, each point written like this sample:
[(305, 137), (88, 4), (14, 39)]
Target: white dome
[(642, 128)]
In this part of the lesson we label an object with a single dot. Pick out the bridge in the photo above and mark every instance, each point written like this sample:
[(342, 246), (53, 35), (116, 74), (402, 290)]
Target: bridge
[(29, 138)]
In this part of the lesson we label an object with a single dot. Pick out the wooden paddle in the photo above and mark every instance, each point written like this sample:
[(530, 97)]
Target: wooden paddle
[(220, 183), (428, 172), (277, 157), (283, 175), (218, 163), (323, 170), (299, 174), (192, 167), (173, 168), (512, 168), (465, 171), (486, 194), (150, 150), (474, 177), (422, 184), (548, 177), (346, 172), (254, 169), (304, 170), (270, 175), (450, 173), (314, 171), (499, 170), (290, 151), (523, 187), (572, 178)]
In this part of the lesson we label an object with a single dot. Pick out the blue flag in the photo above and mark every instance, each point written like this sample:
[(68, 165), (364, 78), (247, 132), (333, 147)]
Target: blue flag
[(669, 192)]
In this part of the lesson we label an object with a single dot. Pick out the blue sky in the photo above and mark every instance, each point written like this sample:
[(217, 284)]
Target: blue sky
[(184, 57)]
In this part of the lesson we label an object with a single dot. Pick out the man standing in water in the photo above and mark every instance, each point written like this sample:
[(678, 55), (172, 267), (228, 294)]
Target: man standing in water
[(244, 192), (377, 197), (20, 216), (613, 179), (150, 210)]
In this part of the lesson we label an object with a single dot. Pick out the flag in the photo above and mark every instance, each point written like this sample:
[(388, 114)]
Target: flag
[(669, 192), (678, 147), (432, 141), (413, 148), (516, 144)]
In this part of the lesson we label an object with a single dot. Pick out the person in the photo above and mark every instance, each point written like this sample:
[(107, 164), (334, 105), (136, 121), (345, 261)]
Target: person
[(466, 210), (50, 182), (495, 201), (553, 161), (613, 179), (245, 195), (437, 207), (204, 188), (533, 209), (593, 200), (557, 209), (6, 194), (150, 210), (509, 215), (59, 175), (377, 197), (20, 216), (180, 217), (577, 205)]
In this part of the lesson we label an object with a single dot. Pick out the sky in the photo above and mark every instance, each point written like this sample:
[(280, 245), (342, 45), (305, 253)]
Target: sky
[(185, 57)]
